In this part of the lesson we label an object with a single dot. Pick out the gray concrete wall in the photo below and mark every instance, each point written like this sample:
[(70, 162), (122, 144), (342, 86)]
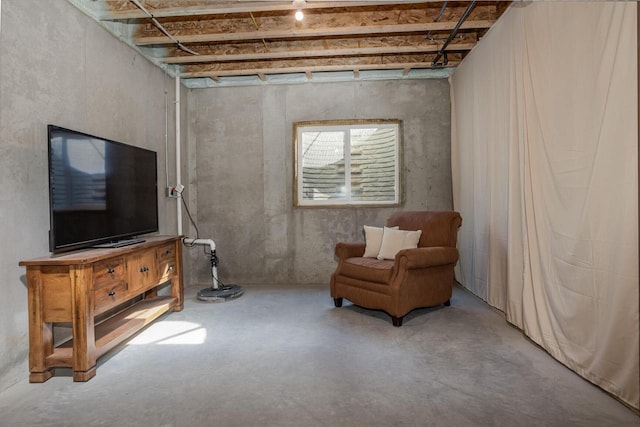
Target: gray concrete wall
[(58, 66), (242, 149)]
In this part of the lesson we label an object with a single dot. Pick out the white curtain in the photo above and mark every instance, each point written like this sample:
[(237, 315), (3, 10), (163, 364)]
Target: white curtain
[(545, 175)]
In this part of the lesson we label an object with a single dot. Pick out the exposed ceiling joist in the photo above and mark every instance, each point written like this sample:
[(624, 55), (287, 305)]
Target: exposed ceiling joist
[(239, 7), (308, 69), (314, 32), (239, 38), (284, 54)]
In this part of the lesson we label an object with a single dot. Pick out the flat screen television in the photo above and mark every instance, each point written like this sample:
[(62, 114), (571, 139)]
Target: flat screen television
[(101, 192)]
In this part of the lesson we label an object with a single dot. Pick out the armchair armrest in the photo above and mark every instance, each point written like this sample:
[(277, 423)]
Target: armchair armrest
[(349, 250), (426, 257)]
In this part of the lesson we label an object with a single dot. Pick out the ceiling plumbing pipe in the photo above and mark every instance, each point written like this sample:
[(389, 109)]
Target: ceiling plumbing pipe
[(453, 33)]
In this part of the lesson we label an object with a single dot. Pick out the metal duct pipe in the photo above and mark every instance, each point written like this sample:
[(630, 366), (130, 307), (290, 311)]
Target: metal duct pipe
[(453, 32)]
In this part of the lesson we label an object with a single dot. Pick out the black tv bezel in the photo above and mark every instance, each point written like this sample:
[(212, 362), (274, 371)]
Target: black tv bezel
[(55, 249)]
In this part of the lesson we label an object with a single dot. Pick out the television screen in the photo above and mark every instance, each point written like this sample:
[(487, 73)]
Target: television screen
[(100, 191)]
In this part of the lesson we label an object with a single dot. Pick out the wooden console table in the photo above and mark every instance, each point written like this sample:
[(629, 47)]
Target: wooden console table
[(78, 286)]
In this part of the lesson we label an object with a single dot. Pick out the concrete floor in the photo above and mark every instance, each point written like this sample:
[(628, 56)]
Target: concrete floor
[(284, 356)]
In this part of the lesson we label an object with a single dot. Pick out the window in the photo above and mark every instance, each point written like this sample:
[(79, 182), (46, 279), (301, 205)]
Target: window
[(347, 163)]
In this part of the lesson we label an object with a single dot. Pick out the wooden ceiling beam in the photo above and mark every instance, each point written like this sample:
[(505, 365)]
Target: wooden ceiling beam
[(315, 32), (287, 54), (224, 8), (319, 44), (216, 74), (353, 61)]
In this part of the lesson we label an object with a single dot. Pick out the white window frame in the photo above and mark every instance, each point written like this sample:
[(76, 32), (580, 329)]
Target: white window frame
[(346, 126)]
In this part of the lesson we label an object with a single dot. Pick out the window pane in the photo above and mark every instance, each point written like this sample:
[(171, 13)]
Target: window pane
[(323, 166), (373, 165), (347, 162)]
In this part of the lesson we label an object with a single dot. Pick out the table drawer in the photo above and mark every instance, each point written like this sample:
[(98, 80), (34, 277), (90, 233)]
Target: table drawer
[(167, 270), (141, 270), (166, 252), (108, 271), (110, 294)]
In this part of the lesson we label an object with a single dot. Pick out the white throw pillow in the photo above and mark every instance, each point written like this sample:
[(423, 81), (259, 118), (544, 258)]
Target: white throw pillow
[(373, 240), (393, 241)]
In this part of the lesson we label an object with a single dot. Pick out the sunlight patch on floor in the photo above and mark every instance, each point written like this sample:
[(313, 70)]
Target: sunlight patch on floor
[(172, 332)]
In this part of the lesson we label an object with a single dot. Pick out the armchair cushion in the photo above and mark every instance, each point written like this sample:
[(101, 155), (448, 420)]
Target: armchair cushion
[(368, 269), (393, 241), (373, 240)]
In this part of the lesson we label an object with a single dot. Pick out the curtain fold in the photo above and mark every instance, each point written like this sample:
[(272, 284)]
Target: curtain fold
[(545, 175)]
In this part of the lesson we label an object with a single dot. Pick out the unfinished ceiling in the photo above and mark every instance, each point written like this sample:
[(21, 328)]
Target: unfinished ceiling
[(210, 43)]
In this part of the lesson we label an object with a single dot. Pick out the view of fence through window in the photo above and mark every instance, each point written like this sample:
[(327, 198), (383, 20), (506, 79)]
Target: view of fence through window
[(341, 163)]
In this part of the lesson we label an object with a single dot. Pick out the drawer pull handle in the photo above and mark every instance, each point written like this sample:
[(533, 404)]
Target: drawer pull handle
[(167, 252), (170, 268), (144, 269), (112, 293), (111, 270)]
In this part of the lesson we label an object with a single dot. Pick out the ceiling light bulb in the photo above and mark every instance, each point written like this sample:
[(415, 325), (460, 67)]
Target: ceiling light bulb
[(299, 15)]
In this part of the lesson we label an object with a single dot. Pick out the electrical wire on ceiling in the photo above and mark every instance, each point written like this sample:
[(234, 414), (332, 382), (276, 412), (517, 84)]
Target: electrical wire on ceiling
[(162, 29), (442, 51), (255, 23), (444, 6), (436, 19)]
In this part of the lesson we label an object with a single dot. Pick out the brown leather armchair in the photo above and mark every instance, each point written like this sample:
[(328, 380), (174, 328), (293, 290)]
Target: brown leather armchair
[(420, 277)]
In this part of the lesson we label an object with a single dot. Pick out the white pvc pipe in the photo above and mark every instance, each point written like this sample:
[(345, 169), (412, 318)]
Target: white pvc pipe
[(166, 134), (207, 242), (212, 247), (178, 161)]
